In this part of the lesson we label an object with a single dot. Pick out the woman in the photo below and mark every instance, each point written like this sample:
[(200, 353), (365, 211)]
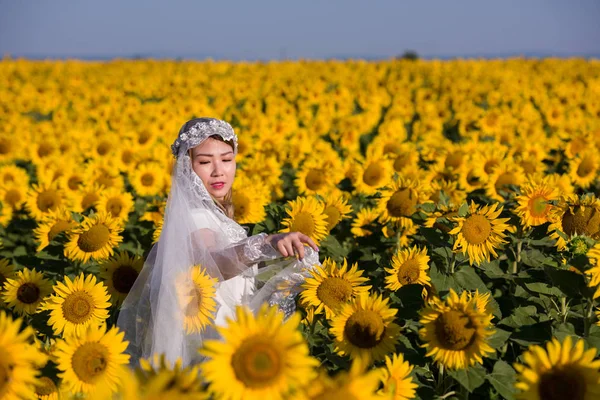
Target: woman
[(201, 247)]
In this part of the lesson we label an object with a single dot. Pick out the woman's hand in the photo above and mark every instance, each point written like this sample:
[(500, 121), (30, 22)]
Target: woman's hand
[(286, 243)]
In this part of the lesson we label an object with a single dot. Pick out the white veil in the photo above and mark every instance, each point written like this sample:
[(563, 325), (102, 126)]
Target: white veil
[(197, 232)]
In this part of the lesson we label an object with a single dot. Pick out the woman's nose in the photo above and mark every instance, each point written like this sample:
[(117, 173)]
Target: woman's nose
[(217, 170)]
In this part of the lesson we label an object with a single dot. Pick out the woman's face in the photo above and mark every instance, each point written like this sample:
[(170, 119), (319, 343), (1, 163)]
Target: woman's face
[(214, 162)]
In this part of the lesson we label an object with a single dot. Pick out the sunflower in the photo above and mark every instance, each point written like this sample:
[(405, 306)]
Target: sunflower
[(43, 198), (574, 216), (26, 290), (355, 384), (396, 378), (449, 188), (249, 200), (19, 361), (560, 371), (364, 328), (364, 218), (373, 174), (455, 331), (331, 285), (313, 179), (6, 214), (408, 267), (259, 357), (13, 195), (534, 202), (157, 231), (91, 360), (46, 389), (116, 203), (196, 293), (54, 223), (584, 168), (119, 274), (148, 179), (171, 382), (593, 273), (77, 304), (11, 174), (86, 196), (7, 271), (480, 232), (505, 174), (306, 215), (399, 201), (336, 209), (155, 211), (95, 237)]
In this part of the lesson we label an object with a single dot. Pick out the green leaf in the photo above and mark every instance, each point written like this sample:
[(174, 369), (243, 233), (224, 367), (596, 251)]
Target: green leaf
[(503, 379), (470, 378), (519, 317), (570, 283), (463, 210), (544, 288), (498, 339)]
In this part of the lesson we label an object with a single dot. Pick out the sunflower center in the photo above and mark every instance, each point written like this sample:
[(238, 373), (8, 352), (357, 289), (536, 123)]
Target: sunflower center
[(12, 197), (6, 377), (147, 179), (89, 199), (401, 162), (334, 291), (5, 146), (490, 165), (538, 206), (103, 148), (303, 222), (567, 382), (58, 227), (114, 206), (476, 229), (507, 178), (586, 167), (373, 175), (454, 159), (48, 200), (74, 182), (333, 216), (454, 329), (127, 156), (402, 203), (89, 361), (45, 386), (584, 221), (315, 179), (28, 293), (77, 307), (364, 329), (94, 238), (45, 150), (123, 278), (409, 272), (257, 363)]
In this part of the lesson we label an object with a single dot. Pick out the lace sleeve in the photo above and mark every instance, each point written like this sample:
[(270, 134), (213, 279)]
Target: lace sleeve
[(234, 259)]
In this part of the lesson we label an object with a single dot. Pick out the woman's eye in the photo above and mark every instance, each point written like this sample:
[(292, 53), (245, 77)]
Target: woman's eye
[(227, 160), (203, 162)]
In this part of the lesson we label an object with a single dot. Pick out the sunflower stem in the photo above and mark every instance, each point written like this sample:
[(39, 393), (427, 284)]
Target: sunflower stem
[(517, 257), (452, 263), (587, 322), (563, 309)]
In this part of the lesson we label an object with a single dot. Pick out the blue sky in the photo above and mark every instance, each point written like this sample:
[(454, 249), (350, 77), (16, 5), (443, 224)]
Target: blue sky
[(298, 29)]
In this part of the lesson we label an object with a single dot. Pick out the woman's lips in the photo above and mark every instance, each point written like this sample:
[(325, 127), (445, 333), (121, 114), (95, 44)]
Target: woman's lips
[(218, 185)]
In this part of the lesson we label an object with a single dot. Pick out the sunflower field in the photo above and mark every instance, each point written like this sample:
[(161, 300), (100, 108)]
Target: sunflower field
[(455, 203)]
